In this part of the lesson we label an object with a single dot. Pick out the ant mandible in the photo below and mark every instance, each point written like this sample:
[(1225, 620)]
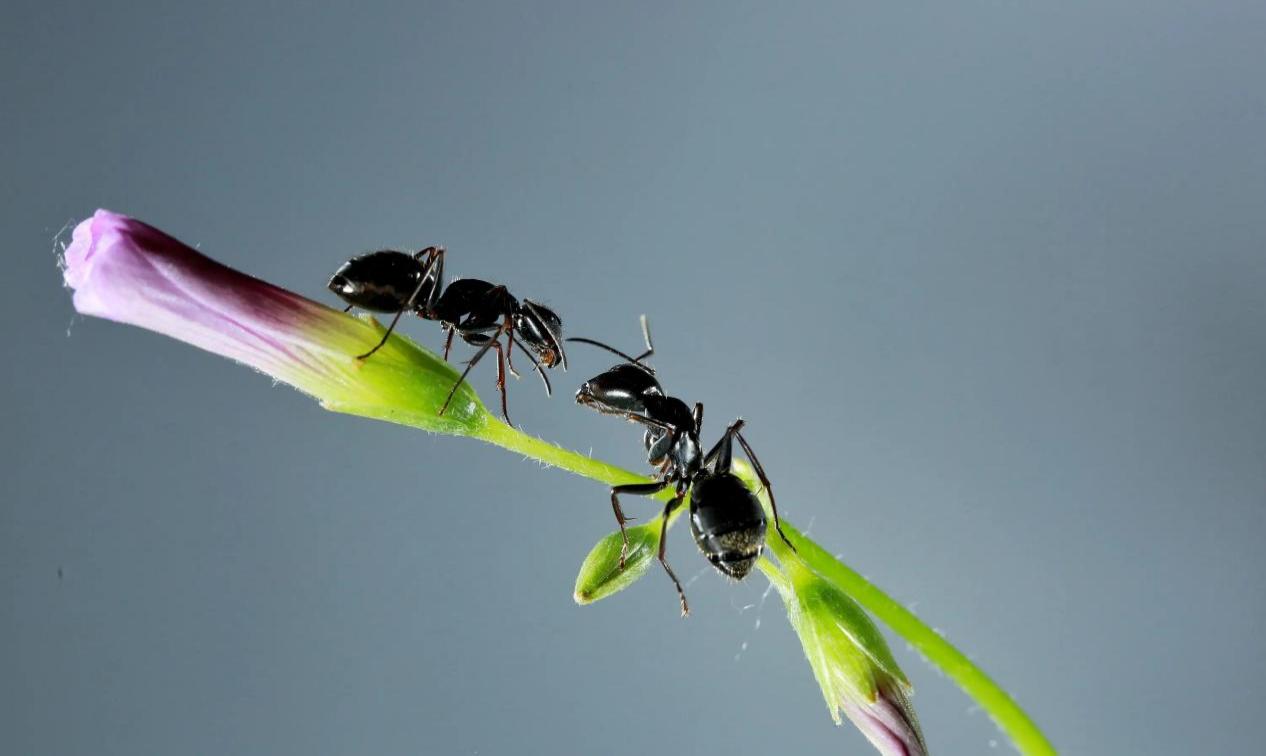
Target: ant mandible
[(390, 281), (726, 518)]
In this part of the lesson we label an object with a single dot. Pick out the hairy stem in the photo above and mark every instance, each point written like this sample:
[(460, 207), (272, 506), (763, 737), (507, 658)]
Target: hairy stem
[(497, 432)]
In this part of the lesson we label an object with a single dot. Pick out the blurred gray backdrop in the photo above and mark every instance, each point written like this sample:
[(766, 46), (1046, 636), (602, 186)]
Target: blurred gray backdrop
[(988, 281)]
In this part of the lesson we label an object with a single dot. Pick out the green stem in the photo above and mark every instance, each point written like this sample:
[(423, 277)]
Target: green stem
[(496, 432), (1024, 733)]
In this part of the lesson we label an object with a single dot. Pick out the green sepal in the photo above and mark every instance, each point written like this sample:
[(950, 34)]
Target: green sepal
[(600, 574), (827, 603), (404, 383)]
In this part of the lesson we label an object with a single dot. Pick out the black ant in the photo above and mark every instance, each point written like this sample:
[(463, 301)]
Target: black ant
[(480, 312), (726, 518)]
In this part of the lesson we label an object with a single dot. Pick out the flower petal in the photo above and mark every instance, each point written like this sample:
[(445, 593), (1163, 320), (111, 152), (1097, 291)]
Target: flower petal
[(889, 723)]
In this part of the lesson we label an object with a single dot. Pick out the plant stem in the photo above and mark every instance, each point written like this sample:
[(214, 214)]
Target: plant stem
[(1024, 733), (507, 437)]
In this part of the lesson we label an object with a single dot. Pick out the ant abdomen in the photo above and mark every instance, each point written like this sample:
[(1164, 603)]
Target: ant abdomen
[(380, 281), (728, 523)]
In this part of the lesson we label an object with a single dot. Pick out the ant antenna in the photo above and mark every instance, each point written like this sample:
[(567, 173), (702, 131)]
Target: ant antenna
[(646, 337)]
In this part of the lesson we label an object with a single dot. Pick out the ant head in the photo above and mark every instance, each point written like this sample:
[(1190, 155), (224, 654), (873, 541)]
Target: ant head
[(541, 330), (623, 388)]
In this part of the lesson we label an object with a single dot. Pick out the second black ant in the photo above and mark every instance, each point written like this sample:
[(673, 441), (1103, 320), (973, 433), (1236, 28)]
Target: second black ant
[(726, 518)]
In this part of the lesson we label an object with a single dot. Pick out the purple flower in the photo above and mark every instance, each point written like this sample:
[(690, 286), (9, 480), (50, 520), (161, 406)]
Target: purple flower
[(124, 270)]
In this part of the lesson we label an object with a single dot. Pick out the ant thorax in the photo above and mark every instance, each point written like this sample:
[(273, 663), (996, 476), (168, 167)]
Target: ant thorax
[(674, 447), (470, 304)]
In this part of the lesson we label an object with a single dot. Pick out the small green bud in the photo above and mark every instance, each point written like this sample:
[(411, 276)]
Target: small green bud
[(601, 574)]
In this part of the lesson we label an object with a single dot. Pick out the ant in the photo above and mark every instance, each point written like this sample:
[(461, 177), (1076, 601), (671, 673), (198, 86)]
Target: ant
[(480, 312), (726, 518)]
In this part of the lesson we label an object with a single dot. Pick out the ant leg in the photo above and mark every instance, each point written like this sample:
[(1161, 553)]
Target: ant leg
[(409, 304), (448, 341), (720, 452), (650, 422), (509, 328), (549, 391), (434, 260), (385, 336), (348, 308), (501, 379), (473, 361), (637, 489), (764, 480), (663, 544)]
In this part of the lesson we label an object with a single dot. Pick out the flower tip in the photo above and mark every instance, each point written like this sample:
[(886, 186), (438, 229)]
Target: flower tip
[(889, 722), (78, 258)]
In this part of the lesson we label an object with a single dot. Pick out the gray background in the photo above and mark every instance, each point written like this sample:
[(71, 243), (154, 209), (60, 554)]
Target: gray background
[(987, 279)]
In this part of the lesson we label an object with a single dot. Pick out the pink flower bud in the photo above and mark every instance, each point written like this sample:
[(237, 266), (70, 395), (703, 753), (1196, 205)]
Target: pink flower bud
[(125, 270)]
